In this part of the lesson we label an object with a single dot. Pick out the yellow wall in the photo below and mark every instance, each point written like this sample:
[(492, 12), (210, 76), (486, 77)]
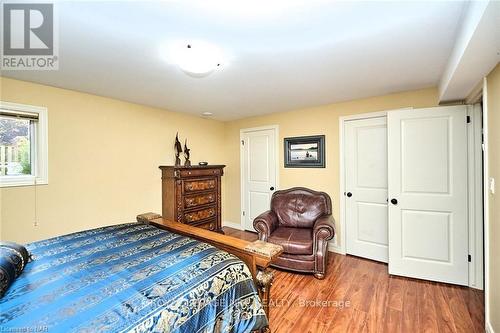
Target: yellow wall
[(311, 121), (103, 161), (104, 153), (493, 92)]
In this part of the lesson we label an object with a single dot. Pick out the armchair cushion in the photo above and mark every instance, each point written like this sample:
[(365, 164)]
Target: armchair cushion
[(293, 240)]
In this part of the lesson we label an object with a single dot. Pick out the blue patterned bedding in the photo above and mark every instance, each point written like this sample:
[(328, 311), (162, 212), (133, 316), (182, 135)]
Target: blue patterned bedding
[(131, 278)]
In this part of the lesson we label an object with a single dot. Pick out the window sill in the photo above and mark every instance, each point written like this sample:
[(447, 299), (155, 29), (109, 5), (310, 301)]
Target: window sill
[(14, 181)]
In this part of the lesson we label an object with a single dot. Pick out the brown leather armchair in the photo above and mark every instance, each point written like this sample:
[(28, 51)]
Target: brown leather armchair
[(301, 221)]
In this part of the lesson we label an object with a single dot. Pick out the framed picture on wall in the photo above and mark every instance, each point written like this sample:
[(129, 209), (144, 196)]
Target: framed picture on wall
[(305, 152)]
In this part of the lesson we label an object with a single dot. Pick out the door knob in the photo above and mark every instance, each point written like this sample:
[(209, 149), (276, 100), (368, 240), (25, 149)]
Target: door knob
[(349, 194), (394, 201), (272, 188)]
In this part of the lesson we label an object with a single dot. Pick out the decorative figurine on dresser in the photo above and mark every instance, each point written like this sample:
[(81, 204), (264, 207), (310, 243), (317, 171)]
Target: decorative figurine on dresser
[(187, 162), (178, 149), (192, 195)]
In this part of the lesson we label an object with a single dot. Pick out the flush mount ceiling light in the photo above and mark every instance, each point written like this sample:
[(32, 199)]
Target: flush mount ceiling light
[(196, 58), (207, 114)]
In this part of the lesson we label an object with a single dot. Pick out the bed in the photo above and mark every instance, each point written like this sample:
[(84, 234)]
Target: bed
[(137, 277)]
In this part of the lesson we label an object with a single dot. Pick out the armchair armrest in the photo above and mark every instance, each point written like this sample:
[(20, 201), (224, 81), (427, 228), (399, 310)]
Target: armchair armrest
[(324, 228), (265, 224)]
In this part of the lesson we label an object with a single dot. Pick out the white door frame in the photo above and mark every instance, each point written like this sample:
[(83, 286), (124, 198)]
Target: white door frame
[(275, 128), (486, 192), (474, 158), (475, 197)]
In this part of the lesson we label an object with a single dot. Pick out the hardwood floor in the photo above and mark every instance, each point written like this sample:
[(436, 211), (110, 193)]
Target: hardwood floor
[(358, 295)]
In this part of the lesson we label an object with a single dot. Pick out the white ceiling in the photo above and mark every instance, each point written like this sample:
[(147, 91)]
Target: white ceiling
[(282, 55)]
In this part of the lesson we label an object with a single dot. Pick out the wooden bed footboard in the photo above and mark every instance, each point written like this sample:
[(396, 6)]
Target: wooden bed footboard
[(256, 255)]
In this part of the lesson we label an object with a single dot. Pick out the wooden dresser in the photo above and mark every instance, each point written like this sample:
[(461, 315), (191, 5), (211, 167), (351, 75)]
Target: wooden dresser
[(192, 195)]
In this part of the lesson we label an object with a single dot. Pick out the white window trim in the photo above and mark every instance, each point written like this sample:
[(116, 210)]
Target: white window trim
[(41, 149)]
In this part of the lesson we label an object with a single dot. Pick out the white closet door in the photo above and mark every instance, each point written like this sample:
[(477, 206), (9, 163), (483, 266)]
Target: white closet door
[(259, 172), (427, 164), (366, 188)]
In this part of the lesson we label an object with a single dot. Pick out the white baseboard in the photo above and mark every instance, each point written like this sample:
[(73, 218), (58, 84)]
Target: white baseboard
[(335, 248), (232, 225), (489, 328)]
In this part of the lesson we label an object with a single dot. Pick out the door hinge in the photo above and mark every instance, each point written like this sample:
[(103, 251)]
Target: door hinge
[(242, 142), (243, 213), (469, 258), (468, 119)]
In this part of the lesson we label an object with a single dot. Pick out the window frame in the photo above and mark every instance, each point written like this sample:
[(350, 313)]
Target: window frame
[(39, 151)]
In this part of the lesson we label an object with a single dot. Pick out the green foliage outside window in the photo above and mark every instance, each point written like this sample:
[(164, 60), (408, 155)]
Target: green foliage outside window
[(24, 155), (15, 146)]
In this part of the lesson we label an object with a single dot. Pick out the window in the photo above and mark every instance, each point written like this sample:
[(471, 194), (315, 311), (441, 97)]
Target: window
[(23, 145)]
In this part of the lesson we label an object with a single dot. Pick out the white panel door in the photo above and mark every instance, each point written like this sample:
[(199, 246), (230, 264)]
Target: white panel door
[(427, 150), (366, 188), (259, 172)]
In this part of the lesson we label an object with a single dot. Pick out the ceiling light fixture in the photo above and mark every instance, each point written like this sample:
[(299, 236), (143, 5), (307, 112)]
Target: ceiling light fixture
[(207, 114), (196, 58)]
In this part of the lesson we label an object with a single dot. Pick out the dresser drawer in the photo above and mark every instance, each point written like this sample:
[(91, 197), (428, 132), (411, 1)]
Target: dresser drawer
[(194, 200), (200, 172), (197, 215), (200, 185), (208, 225)]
